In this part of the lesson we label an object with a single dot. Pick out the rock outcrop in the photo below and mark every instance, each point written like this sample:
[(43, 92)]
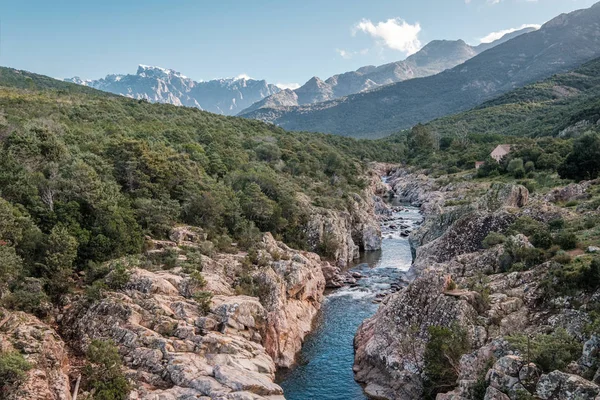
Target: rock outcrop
[(44, 350), (458, 281), (344, 234), (175, 347)]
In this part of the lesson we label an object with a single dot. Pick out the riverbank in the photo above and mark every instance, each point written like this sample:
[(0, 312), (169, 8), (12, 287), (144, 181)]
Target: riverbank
[(462, 285), (325, 364)]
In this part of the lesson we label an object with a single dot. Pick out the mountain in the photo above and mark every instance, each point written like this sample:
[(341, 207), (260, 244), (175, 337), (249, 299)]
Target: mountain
[(160, 85), (505, 38), (563, 43), (435, 57), (562, 105)]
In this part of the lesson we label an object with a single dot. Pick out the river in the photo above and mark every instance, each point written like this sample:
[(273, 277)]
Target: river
[(324, 369)]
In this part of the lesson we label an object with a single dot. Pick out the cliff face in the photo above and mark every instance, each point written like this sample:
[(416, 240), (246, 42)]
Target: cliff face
[(44, 350), (174, 348), (346, 233), (390, 345), (176, 345)]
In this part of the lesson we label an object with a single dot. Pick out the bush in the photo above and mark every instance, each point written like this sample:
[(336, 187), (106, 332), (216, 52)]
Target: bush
[(566, 240), (493, 239), (542, 239), (590, 274), (556, 224), (29, 297), (441, 358), (549, 352), (103, 372), (563, 258), (13, 367), (204, 300), (118, 277)]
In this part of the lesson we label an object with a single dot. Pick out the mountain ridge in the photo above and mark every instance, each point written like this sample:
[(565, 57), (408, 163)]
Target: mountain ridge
[(225, 96), (563, 43), (435, 57)]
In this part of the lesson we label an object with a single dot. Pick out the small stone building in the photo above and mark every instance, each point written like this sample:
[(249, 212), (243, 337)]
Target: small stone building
[(500, 151)]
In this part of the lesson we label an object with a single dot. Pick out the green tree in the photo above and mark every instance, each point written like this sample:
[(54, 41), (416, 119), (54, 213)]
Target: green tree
[(256, 205), (60, 256), (584, 161), (442, 356), (11, 266), (421, 140), (103, 372)]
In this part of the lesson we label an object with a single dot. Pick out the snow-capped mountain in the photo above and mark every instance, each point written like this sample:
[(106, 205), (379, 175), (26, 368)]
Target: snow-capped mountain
[(155, 84)]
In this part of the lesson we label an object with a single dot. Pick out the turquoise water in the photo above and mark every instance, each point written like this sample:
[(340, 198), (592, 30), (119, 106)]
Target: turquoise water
[(324, 370)]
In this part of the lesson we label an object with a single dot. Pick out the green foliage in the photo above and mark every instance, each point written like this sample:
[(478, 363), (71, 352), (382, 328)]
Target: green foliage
[(118, 277), (420, 140), (85, 176), (493, 239), (549, 352), (13, 369), (584, 161), (441, 357), (103, 372), (576, 276), (566, 240), (329, 245), (204, 300), (29, 297), (11, 266)]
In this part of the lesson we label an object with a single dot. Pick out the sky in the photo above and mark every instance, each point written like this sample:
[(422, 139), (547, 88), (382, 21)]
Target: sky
[(285, 42)]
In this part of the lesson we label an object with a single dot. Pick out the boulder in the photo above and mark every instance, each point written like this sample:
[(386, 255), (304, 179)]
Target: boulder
[(562, 386), (43, 348)]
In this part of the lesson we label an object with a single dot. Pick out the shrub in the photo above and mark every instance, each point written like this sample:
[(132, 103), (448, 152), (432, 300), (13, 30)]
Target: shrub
[(549, 352), (118, 277), (542, 239), (566, 240), (328, 246), (13, 367), (441, 358), (519, 173), (103, 372), (493, 239), (204, 300), (529, 166), (556, 224), (563, 258), (590, 274)]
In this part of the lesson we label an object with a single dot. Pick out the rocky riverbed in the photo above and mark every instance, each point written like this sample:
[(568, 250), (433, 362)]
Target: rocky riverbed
[(451, 267)]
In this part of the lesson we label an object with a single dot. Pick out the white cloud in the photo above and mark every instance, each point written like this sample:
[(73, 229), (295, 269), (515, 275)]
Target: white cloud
[(291, 86), (394, 33), (349, 54), (243, 76), (497, 35)]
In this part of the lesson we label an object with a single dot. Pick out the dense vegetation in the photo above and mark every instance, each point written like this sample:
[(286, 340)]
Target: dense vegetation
[(565, 104), (86, 176)]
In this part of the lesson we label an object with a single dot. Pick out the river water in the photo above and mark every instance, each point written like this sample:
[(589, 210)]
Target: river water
[(324, 370)]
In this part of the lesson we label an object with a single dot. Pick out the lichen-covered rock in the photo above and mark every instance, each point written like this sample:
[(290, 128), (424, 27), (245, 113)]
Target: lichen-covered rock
[(502, 195), (45, 351), (173, 348), (562, 386), (492, 393)]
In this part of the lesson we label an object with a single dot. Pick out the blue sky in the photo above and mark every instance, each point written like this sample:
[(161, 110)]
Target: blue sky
[(281, 41)]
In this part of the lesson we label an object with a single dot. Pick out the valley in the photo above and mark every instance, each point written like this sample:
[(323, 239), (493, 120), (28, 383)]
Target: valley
[(423, 229)]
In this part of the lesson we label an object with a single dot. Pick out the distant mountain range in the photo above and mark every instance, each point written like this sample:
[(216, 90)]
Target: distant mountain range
[(241, 95), (563, 43), (435, 57), (160, 85)]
